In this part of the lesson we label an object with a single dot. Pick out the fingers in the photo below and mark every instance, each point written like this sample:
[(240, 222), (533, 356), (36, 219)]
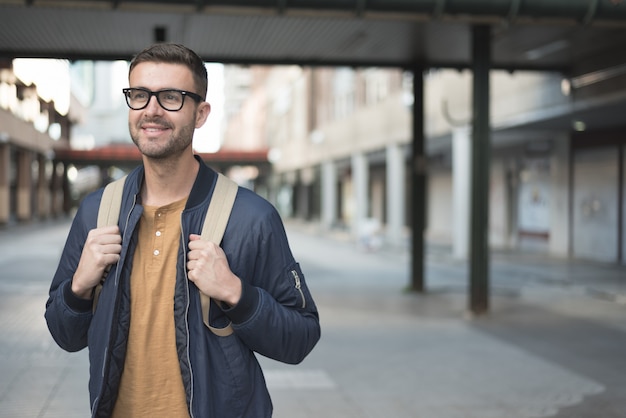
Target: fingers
[(102, 248), (208, 269), (110, 254), (196, 243), (205, 259), (104, 244), (105, 235)]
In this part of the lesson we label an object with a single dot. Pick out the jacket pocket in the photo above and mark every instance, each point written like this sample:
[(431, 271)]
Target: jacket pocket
[(299, 293), (298, 286), (235, 375)]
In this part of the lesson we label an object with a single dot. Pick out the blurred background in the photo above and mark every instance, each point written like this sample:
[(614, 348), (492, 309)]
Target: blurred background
[(474, 150), (314, 108)]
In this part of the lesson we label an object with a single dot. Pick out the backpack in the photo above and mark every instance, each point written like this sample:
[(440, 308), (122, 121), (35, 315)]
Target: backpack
[(213, 229)]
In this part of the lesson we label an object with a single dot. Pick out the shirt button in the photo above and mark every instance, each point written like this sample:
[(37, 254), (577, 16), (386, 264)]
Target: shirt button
[(156, 252), (158, 233)]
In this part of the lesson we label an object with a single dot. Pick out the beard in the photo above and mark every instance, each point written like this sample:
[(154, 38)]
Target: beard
[(176, 144)]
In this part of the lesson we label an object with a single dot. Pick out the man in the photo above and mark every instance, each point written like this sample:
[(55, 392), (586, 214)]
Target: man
[(150, 353)]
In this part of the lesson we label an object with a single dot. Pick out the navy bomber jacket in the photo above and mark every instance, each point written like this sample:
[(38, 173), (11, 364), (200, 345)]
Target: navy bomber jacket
[(276, 316)]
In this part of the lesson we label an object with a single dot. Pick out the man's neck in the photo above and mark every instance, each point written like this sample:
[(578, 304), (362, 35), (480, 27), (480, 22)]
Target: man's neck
[(168, 181)]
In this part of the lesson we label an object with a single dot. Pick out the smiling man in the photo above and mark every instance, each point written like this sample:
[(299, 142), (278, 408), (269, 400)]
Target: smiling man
[(151, 354)]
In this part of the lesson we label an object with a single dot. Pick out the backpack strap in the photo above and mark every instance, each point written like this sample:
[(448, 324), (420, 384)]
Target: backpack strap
[(109, 211), (213, 229), (108, 215)]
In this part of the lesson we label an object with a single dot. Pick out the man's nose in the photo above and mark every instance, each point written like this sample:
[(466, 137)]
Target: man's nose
[(153, 104)]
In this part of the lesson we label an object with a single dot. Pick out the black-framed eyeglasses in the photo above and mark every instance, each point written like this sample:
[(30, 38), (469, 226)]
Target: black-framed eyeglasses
[(170, 99)]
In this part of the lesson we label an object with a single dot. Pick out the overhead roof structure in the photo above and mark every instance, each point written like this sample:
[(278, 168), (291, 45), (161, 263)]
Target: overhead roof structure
[(583, 39), (527, 34)]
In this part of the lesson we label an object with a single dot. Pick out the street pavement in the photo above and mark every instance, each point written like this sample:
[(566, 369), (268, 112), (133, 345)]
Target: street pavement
[(552, 345)]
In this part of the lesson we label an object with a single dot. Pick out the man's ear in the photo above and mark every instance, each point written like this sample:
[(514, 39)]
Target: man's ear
[(204, 109)]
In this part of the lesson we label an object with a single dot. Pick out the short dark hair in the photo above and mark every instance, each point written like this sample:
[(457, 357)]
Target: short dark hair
[(171, 53)]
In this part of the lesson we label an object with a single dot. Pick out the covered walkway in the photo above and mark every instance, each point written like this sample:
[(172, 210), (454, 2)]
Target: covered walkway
[(584, 39)]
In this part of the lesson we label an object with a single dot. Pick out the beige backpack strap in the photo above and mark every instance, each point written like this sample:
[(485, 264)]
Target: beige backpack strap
[(108, 215), (213, 230), (109, 211)]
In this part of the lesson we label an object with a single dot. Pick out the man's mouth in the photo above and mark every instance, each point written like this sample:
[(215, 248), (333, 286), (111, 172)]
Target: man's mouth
[(154, 128)]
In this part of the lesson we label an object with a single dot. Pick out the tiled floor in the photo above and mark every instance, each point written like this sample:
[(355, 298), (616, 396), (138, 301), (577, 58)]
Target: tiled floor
[(551, 346)]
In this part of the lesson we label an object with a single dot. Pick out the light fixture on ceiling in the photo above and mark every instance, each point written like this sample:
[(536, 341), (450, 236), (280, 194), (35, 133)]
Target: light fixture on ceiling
[(547, 49), (160, 34), (566, 87), (579, 125), (598, 76)]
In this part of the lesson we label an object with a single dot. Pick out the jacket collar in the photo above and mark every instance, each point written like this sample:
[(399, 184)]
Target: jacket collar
[(205, 181)]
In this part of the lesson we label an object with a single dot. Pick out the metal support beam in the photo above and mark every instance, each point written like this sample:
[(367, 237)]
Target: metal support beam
[(620, 203), (481, 163), (418, 183)]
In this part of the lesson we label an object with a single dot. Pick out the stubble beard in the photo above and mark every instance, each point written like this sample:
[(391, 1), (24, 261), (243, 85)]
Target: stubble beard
[(176, 144)]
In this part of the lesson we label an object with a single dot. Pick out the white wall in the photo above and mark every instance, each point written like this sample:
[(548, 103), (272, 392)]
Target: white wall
[(595, 204), (439, 212), (560, 195), (498, 205)]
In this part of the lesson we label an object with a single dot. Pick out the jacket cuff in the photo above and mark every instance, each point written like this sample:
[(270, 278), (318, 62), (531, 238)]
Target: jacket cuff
[(74, 302), (246, 307)]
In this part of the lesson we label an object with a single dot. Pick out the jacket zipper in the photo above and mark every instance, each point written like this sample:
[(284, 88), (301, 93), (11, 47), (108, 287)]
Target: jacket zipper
[(182, 233), (105, 361), (299, 286)]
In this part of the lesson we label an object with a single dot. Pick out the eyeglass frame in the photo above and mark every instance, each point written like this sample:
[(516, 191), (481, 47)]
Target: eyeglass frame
[(151, 93)]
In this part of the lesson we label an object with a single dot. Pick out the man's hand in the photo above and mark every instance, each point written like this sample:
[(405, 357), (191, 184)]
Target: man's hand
[(209, 270), (102, 248)]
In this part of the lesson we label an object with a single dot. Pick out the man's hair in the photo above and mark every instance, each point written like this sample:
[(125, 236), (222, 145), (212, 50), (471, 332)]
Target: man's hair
[(170, 53)]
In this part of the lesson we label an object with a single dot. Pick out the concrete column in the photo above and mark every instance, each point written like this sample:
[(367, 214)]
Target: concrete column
[(419, 204), (396, 187), (273, 188), (360, 181), (24, 185), (560, 169), (55, 189), (461, 176), (43, 191), (623, 204), (329, 194), (67, 196), (481, 164), (301, 199), (5, 185)]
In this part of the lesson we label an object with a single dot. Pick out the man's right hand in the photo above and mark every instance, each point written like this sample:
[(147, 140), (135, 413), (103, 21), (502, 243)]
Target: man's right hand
[(102, 248)]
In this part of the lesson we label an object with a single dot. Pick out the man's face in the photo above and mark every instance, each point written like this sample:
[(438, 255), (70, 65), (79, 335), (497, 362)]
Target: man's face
[(159, 133)]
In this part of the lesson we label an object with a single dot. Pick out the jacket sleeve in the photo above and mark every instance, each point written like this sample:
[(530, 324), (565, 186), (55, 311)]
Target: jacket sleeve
[(68, 317), (276, 315)]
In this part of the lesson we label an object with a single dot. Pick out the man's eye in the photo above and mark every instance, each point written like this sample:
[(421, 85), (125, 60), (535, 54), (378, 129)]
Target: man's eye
[(139, 95), (171, 97)]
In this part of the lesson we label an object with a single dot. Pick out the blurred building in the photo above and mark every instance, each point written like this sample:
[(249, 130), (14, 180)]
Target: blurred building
[(98, 85), (32, 129), (340, 144)]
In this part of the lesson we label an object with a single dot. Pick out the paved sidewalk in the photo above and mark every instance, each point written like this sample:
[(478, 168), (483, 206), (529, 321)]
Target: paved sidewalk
[(552, 345)]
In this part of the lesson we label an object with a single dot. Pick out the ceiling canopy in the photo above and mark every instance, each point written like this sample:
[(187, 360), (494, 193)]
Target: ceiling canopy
[(526, 34)]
